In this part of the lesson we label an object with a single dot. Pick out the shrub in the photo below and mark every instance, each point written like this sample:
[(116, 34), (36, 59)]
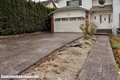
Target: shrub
[(91, 31), (23, 16), (93, 28)]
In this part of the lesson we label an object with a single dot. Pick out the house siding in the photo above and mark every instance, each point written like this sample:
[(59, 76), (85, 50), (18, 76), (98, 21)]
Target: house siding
[(107, 2), (85, 3), (62, 3), (116, 12), (69, 13)]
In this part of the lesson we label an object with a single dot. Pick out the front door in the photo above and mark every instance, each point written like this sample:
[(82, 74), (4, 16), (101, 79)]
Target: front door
[(105, 21)]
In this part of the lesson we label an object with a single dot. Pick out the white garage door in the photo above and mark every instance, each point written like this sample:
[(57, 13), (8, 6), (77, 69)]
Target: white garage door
[(68, 24)]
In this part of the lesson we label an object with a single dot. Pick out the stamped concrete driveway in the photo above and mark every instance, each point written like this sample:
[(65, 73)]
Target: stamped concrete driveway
[(18, 53)]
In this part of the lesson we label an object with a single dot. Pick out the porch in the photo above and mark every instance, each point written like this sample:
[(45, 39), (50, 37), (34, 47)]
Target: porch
[(103, 18), (104, 32)]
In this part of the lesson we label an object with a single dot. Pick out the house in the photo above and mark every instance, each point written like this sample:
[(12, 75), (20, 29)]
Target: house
[(71, 13), (49, 4)]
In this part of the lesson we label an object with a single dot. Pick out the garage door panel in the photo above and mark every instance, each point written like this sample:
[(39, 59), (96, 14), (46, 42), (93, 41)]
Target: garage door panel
[(68, 26)]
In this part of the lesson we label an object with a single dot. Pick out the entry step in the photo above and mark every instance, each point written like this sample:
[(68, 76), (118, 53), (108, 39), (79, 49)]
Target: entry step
[(104, 32)]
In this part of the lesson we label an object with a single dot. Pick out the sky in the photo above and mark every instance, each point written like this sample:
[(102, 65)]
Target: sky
[(39, 0)]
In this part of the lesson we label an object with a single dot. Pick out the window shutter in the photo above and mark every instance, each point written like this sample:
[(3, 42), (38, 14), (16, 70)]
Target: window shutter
[(80, 2)]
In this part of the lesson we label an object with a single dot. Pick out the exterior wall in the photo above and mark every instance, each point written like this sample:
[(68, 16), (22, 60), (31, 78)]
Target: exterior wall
[(88, 4), (62, 3), (96, 3), (97, 20), (69, 13), (50, 5), (116, 12), (68, 26), (85, 3)]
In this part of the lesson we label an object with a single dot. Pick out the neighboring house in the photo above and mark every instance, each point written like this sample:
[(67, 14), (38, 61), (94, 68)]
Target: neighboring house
[(71, 13), (49, 4)]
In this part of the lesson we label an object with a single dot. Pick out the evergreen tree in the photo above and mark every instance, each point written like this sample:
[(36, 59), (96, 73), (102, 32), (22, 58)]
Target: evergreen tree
[(23, 16)]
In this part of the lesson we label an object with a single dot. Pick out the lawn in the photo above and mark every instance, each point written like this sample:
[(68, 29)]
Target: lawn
[(115, 43)]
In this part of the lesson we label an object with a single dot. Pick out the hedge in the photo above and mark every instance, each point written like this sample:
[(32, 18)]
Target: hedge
[(23, 16)]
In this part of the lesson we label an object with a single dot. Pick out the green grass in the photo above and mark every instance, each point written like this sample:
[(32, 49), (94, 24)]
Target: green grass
[(116, 45), (115, 42)]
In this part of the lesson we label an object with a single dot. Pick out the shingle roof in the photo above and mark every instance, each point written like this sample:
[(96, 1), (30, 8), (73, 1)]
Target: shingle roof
[(56, 1), (72, 8), (104, 8), (49, 1)]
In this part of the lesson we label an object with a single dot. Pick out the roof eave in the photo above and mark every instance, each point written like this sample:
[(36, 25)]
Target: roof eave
[(70, 9)]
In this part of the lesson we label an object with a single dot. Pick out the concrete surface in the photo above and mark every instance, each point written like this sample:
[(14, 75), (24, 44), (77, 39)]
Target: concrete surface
[(100, 64), (18, 53)]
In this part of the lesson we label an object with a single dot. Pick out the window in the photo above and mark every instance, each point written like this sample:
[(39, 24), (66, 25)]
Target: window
[(94, 17), (64, 19), (105, 19), (74, 3), (67, 3), (81, 18), (80, 2), (100, 18), (57, 19), (101, 2), (72, 19)]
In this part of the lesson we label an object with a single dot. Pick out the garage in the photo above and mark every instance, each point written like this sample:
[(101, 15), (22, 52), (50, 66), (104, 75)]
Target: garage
[(70, 24), (68, 19)]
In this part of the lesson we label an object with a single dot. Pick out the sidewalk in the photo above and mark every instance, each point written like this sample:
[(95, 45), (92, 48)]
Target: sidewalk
[(100, 64)]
